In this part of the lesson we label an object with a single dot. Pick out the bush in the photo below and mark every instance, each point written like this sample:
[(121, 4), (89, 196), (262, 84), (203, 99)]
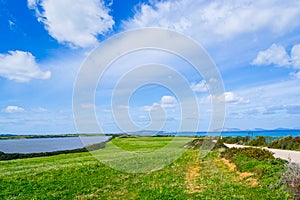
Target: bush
[(219, 144), (255, 153), (288, 142), (194, 144), (259, 141), (236, 140), (292, 178), (258, 161)]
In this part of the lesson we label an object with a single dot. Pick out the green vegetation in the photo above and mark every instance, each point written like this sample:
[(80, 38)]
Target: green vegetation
[(255, 153), (140, 143), (81, 176), (258, 141), (286, 143), (236, 140), (291, 178), (270, 171)]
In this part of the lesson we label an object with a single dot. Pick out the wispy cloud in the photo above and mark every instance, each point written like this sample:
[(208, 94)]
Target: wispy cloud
[(217, 20)]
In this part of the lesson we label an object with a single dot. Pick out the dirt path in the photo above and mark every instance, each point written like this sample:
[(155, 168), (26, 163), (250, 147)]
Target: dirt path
[(191, 179), (294, 156)]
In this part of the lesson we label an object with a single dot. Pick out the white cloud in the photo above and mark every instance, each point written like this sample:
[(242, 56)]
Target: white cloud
[(13, 109), (123, 107), (275, 54), (217, 20), (21, 66), (296, 74), (165, 102), (77, 23), (295, 56), (199, 87), (228, 97), (168, 102), (154, 107), (231, 97)]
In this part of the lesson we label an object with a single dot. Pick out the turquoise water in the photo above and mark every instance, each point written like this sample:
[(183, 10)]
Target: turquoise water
[(266, 133)]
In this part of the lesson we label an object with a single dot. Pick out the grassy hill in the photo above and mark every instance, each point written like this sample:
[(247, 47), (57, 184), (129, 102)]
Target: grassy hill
[(82, 176)]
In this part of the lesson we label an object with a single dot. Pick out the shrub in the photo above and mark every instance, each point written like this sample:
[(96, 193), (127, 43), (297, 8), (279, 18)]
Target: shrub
[(292, 178), (255, 153), (194, 144), (236, 140), (259, 141), (288, 142), (219, 144)]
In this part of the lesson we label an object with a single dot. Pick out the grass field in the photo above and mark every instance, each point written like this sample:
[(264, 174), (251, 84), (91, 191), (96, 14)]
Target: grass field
[(82, 176)]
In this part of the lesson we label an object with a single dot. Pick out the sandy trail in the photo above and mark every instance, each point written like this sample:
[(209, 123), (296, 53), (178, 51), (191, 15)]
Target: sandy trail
[(294, 156)]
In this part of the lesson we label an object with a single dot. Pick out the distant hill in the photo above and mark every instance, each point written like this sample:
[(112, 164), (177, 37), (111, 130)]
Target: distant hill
[(228, 129)]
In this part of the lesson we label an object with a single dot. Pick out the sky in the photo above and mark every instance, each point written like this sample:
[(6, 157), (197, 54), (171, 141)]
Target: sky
[(255, 46)]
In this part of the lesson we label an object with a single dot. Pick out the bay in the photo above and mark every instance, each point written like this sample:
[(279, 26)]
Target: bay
[(37, 145)]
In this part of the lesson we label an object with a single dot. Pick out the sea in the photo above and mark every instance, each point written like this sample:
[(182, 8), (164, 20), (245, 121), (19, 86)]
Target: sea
[(265, 133)]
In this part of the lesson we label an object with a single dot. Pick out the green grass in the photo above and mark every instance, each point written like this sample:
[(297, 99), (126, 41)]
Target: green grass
[(140, 143), (82, 176)]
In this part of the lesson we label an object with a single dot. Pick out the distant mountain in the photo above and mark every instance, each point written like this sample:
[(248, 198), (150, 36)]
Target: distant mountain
[(228, 129), (146, 132), (259, 129), (7, 135)]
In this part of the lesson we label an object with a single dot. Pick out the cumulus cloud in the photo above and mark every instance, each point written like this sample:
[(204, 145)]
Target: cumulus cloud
[(77, 23), (232, 98), (275, 54), (217, 20), (165, 102), (13, 109), (168, 102), (199, 87), (21, 66)]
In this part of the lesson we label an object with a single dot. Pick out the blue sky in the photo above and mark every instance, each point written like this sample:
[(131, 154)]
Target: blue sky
[(254, 44)]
